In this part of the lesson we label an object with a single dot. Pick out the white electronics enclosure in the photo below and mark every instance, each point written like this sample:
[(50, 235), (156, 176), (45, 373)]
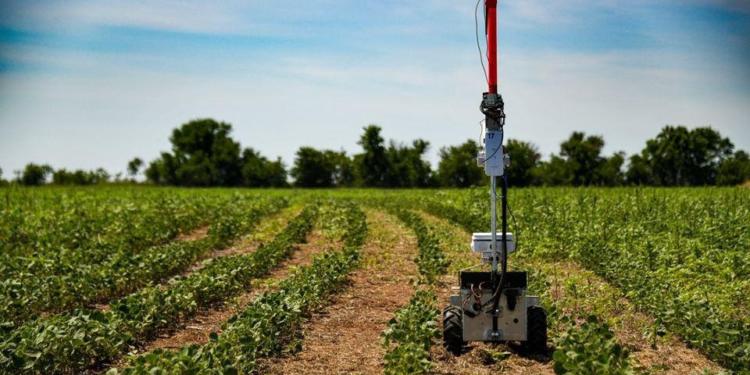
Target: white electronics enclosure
[(481, 242), (494, 158)]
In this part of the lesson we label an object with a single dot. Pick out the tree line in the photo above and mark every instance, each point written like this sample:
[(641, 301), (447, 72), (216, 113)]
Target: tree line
[(204, 154)]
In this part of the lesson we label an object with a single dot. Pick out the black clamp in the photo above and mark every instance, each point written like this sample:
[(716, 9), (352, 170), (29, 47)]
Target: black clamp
[(493, 108)]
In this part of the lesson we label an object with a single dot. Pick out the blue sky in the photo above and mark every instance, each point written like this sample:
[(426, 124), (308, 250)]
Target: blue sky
[(85, 84)]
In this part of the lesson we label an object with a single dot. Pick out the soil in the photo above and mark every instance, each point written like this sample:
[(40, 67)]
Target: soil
[(198, 329), (667, 355), (264, 232), (345, 337), (480, 358), (192, 235)]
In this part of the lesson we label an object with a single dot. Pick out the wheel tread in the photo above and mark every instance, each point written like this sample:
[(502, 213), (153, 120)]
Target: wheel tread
[(453, 330), (536, 329)]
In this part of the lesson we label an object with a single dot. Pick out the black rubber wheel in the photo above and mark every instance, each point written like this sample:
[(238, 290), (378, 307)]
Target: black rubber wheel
[(536, 330), (453, 331)]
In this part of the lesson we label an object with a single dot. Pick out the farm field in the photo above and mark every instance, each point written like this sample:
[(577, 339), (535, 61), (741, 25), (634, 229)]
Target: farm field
[(136, 280)]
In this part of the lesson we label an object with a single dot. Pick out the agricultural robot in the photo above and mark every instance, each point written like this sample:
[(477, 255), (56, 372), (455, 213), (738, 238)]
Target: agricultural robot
[(492, 306)]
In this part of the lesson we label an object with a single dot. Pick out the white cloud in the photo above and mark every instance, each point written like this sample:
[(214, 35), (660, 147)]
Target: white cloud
[(117, 112), (111, 106)]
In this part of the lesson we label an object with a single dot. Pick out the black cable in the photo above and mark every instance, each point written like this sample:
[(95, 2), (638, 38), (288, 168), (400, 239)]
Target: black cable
[(479, 47), (516, 228), (504, 256), (502, 138)]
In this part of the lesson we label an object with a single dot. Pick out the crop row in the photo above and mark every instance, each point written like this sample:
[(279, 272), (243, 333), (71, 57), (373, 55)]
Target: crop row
[(679, 255), (72, 342), (270, 324), (26, 295), (410, 333), (589, 347), (573, 353), (53, 231), (673, 258), (584, 344), (430, 260)]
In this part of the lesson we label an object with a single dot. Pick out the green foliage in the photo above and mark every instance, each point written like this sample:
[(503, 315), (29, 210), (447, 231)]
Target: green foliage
[(734, 170), (79, 177), (524, 158), (610, 173), (204, 154), (140, 315), (431, 260), (406, 168), (409, 335), (120, 257), (372, 165), (678, 156), (377, 166), (555, 172), (269, 325), (639, 172), (458, 166), (134, 166), (583, 157), (590, 349), (690, 274), (581, 164), (35, 174), (313, 168), (257, 171)]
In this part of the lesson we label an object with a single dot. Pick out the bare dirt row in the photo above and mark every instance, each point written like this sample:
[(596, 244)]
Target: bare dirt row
[(198, 329), (345, 337), (577, 292)]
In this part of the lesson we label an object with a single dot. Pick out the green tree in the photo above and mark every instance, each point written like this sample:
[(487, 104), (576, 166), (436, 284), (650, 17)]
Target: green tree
[(581, 163), (134, 166), (610, 173), (678, 156), (64, 177), (162, 170), (343, 167), (312, 168), (407, 168), (203, 154), (638, 172), (556, 171), (734, 170), (458, 166), (100, 176), (524, 158), (372, 166), (80, 177), (258, 171), (583, 156), (35, 174)]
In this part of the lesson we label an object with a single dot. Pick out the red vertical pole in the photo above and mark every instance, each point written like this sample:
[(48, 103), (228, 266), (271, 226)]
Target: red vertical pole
[(491, 31)]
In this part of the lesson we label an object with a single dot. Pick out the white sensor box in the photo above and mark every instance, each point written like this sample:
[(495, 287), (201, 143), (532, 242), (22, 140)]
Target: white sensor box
[(482, 242), (494, 160)]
